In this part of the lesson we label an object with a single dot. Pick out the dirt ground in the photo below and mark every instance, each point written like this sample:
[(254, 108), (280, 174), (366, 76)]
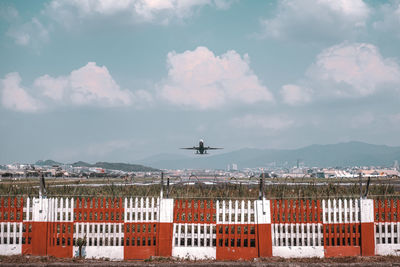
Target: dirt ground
[(157, 261)]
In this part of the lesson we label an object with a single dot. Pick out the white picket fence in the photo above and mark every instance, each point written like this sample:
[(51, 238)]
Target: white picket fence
[(10, 238), (297, 234), (141, 210), (235, 212), (51, 209), (341, 211), (61, 210), (387, 238)]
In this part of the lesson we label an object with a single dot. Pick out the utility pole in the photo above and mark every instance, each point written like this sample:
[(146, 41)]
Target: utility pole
[(168, 187), (360, 181), (261, 189), (367, 187), (162, 185), (42, 188)]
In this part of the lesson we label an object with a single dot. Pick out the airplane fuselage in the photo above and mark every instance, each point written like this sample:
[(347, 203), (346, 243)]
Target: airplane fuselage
[(201, 149)]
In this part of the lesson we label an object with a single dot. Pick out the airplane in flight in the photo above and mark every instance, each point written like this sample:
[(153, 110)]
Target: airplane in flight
[(201, 149)]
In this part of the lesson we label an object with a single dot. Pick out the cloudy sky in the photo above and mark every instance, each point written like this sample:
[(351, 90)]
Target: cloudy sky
[(119, 81)]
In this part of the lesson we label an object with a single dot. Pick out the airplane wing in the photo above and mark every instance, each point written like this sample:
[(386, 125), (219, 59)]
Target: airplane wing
[(212, 148), (192, 148)]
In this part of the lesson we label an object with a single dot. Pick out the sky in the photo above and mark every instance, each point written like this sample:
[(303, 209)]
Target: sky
[(103, 80)]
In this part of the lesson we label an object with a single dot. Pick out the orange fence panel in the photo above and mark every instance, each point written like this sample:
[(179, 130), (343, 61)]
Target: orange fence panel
[(99, 210), (295, 211), (60, 239), (192, 211), (237, 241), (140, 240), (11, 209)]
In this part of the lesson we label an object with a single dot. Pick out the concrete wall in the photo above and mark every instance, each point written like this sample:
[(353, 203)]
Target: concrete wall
[(387, 249), (99, 252), (7, 250), (298, 252), (194, 252)]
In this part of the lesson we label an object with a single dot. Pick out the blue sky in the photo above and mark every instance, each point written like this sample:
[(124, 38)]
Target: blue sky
[(119, 81)]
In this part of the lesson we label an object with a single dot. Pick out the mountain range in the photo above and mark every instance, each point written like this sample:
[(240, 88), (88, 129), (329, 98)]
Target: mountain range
[(104, 165), (332, 155), (126, 167)]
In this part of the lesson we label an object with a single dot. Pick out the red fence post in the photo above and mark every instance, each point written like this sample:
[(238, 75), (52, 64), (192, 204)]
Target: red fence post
[(264, 235), (39, 226), (367, 227), (165, 227)]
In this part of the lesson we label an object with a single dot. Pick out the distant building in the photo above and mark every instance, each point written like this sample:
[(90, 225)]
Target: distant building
[(396, 165), (234, 167)]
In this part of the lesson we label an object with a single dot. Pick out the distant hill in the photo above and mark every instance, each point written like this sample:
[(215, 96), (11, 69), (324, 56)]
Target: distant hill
[(81, 164), (48, 162), (116, 166), (333, 155)]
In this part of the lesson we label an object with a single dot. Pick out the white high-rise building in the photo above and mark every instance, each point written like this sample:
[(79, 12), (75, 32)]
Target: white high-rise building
[(234, 167)]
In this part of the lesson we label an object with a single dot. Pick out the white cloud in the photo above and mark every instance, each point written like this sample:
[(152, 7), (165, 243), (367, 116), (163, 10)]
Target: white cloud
[(316, 21), (94, 84), (71, 13), (223, 4), (142, 99), (353, 70), (149, 8), (28, 33), (295, 95), (89, 85), (15, 97), (200, 80), (8, 13), (390, 21), (266, 122), (52, 87), (143, 10), (346, 70)]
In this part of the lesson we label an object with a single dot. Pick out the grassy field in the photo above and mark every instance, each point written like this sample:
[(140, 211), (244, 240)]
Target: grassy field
[(228, 188)]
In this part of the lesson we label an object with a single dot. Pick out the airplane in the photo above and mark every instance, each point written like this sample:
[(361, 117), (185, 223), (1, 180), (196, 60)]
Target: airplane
[(201, 149)]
